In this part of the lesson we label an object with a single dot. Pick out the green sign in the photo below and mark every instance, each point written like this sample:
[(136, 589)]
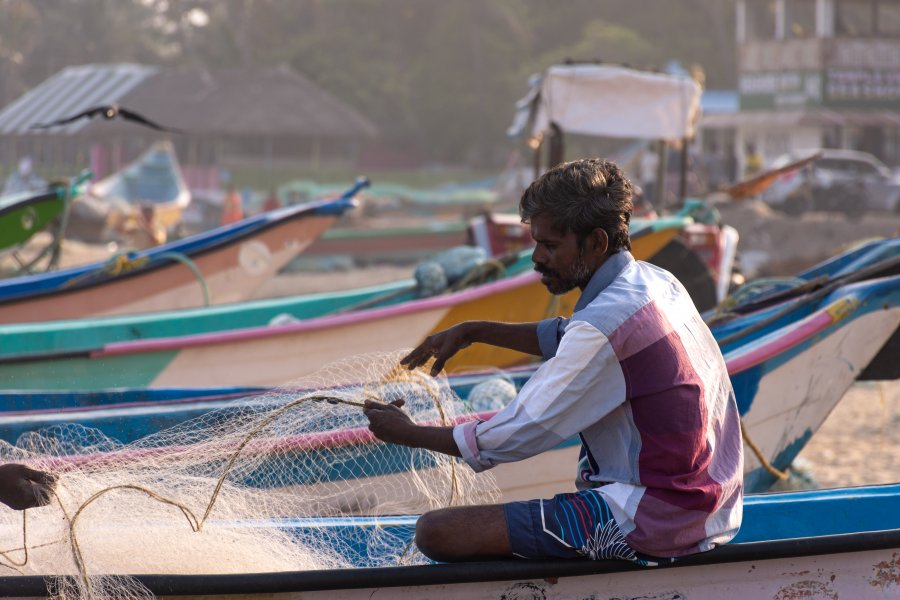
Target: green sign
[(780, 91)]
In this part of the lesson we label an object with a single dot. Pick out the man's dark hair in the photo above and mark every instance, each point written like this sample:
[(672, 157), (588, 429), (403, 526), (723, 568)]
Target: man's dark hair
[(581, 196)]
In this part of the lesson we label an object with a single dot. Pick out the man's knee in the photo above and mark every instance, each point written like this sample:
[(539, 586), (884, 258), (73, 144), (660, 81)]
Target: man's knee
[(463, 533), (434, 535)]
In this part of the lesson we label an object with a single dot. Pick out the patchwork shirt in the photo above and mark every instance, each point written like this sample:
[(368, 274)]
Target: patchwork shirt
[(637, 374)]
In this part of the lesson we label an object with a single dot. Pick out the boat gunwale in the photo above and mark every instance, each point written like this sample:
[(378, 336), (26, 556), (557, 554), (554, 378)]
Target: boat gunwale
[(472, 572), (36, 198), (178, 343)]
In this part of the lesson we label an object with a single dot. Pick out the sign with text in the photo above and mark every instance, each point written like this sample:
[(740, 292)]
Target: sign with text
[(862, 88), (786, 90)]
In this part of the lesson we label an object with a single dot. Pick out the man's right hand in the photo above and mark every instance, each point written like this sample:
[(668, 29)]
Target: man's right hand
[(388, 422), (441, 346), (22, 487)]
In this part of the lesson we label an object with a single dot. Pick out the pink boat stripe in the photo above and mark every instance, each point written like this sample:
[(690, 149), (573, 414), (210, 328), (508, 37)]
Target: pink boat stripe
[(803, 331), (280, 445), (251, 333)]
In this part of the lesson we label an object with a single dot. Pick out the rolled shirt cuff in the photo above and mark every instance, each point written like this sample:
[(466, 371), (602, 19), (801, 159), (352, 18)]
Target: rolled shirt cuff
[(549, 332), (464, 436)]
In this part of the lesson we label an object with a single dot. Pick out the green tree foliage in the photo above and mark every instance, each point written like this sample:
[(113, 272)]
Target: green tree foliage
[(439, 78)]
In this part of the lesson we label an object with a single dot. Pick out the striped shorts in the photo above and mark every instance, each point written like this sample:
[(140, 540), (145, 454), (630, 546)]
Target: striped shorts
[(573, 525)]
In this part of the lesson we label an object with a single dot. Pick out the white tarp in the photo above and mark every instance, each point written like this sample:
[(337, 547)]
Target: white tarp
[(613, 101)]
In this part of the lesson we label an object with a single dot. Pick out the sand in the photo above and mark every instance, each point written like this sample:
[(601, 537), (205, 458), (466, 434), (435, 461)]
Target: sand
[(859, 443)]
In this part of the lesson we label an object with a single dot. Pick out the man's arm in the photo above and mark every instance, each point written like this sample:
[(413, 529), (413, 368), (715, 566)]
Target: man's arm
[(390, 424), (442, 346)]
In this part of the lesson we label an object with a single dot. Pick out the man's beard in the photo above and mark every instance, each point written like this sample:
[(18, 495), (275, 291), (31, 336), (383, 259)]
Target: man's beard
[(560, 283)]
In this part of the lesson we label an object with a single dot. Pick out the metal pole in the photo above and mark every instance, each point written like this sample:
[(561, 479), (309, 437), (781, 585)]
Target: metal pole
[(682, 186)]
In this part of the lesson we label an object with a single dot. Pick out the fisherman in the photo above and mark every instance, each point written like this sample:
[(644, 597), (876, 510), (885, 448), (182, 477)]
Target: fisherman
[(753, 161), (232, 207), (635, 372), (22, 487)]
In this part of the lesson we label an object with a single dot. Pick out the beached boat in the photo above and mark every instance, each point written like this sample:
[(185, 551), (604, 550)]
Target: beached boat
[(765, 306), (152, 180), (781, 410), (23, 214), (249, 342), (701, 256), (219, 266), (840, 543), (380, 244)]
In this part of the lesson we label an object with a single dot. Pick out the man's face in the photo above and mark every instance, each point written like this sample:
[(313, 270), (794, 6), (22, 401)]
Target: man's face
[(558, 257)]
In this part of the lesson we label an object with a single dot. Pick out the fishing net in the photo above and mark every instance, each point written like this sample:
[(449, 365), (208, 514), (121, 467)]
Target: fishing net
[(213, 494)]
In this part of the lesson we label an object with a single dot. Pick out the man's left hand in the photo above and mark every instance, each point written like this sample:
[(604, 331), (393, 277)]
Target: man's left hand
[(22, 487), (389, 423)]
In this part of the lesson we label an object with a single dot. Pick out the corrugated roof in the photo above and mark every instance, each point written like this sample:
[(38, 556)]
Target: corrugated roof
[(223, 102), (72, 90)]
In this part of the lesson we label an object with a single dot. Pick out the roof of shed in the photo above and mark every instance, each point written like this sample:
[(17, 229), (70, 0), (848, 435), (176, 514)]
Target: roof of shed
[(217, 102)]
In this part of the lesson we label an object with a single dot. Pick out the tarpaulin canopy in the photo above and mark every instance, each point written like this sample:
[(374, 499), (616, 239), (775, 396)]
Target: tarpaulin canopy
[(614, 101)]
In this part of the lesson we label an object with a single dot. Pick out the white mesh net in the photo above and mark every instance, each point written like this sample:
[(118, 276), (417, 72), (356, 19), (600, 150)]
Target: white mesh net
[(208, 495)]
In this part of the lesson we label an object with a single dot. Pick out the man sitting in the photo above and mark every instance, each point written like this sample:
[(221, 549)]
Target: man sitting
[(635, 372)]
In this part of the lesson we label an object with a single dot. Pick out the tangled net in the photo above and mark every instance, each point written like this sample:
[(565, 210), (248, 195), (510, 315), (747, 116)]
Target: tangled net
[(207, 496)]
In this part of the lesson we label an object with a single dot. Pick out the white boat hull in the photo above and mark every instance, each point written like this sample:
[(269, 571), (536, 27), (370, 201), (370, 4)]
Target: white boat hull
[(856, 575), (860, 575)]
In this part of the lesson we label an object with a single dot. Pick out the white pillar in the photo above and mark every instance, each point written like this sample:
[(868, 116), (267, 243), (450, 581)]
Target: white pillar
[(824, 18), (780, 19), (740, 22)]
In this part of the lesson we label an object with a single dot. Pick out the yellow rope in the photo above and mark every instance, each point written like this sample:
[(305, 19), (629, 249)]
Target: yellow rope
[(115, 266), (782, 475)]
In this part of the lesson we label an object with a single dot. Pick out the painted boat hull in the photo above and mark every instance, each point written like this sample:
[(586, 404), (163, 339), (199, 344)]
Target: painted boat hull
[(230, 274), (24, 214), (780, 409), (231, 346), (224, 265), (855, 575), (406, 243), (822, 544)]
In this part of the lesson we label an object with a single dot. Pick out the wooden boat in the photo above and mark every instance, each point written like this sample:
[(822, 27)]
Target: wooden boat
[(840, 543), (780, 302), (23, 214), (219, 266), (780, 410), (153, 180), (390, 243), (701, 256), (152, 350)]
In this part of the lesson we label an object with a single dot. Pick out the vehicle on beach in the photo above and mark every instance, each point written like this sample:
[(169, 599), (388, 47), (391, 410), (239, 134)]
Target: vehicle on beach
[(845, 181)]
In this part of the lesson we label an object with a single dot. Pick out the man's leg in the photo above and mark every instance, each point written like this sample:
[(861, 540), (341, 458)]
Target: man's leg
[(464, 533)]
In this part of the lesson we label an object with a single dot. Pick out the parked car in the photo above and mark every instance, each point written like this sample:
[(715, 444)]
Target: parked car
[(845, 181)]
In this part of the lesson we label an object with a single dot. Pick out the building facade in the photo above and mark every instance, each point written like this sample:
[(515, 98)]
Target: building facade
[(815, 73)]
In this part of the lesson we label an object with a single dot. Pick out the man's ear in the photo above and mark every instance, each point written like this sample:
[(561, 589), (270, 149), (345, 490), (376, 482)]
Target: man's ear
[(599, 241)]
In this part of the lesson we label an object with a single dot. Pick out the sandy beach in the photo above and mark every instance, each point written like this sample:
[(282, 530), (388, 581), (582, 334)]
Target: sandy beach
[(859, 443)]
